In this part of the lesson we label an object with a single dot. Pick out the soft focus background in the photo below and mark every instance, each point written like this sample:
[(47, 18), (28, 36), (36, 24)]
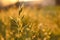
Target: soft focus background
[(23, 21)]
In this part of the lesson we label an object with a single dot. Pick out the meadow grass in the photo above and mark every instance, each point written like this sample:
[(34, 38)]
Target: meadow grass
[(30, 24)]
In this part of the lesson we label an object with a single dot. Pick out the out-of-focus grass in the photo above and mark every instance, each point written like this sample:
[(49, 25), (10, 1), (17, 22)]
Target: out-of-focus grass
[(31, 24)]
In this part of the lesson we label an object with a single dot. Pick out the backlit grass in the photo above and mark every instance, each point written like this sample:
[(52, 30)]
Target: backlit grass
[(31, 24)]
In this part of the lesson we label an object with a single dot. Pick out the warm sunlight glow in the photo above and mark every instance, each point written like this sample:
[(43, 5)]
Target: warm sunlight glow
[(29, 0), (8, 2)]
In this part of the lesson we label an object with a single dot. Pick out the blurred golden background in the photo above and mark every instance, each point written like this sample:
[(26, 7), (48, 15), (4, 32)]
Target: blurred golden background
[(29, 20)]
